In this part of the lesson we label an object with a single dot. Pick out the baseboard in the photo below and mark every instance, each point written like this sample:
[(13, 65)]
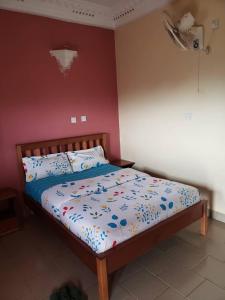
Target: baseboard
[(217, 216)]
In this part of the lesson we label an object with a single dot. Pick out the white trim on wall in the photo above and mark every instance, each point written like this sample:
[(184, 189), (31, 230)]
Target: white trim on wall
[(217, 216)]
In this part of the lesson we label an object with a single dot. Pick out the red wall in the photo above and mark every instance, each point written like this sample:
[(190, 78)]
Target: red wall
[(37, 101)]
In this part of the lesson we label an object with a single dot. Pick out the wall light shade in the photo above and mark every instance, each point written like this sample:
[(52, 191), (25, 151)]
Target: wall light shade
[(64, 58)]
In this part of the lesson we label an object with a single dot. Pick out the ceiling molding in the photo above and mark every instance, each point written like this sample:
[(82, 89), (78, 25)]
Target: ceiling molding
[(84, 11), (129, 11), (77, 11)]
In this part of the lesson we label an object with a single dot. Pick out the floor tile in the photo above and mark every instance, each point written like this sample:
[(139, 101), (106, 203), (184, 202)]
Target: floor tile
[(13, 285), (126, 272), (42, 286), (194, 226), (75, 271), (171, 294), (186, 255), (213, 244), (213, 270), (31, 265), (24, 244), (52, 244), (3, 251), (215, 233), (156, 261), (144, 285), (191, 237), (117, 293), (182, 279), (207, 291), (168, 244), (17, 292), (214, 249)]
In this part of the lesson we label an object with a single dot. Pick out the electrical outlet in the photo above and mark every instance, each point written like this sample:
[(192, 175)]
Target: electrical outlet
[(73, 120), (215, 24), (188, 116), (83, 118)]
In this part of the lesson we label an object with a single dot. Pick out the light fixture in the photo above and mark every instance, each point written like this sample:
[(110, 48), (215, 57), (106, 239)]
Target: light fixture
[(64, 58)]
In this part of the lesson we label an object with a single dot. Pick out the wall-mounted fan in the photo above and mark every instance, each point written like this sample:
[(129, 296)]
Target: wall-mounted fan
[(185, 33)]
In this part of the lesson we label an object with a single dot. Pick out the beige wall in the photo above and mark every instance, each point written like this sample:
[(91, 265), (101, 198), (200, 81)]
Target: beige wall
[(167, 124)]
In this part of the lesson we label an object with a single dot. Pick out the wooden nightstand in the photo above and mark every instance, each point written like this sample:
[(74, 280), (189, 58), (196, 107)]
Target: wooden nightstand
[(123, 163), (10, 212)]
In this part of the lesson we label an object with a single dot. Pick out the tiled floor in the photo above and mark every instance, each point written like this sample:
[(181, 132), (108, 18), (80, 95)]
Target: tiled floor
[(34, 262)]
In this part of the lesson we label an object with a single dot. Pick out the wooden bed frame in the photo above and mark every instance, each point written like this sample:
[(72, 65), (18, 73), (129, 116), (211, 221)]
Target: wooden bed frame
[(108, 262)]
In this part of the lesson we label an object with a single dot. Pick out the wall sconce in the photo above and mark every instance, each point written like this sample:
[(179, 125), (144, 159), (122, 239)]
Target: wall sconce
[(64, 58)]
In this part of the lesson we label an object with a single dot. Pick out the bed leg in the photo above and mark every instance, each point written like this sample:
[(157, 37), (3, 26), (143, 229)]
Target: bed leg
[(204, 219), (102, 279)]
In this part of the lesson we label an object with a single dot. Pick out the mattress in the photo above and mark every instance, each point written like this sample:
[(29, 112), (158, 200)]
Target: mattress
[(106, 210)]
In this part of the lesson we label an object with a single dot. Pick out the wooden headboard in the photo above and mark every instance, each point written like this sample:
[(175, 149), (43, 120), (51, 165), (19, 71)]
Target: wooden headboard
[(60, 145)]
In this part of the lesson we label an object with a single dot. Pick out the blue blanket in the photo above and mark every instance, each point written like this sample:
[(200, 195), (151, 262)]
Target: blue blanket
[(36, 188)]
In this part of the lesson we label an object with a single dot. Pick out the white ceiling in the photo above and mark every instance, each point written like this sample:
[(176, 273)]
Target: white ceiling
[(102, 13), (109, 3)]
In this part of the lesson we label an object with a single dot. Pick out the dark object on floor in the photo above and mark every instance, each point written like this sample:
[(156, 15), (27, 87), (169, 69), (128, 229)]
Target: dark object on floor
[(68, 292)]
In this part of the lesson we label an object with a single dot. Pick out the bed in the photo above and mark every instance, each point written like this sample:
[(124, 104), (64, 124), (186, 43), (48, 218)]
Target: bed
[(116, 201)]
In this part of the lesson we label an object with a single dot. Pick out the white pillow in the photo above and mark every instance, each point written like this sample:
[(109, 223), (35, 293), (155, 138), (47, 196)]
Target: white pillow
[(86, 159), (37, 167)]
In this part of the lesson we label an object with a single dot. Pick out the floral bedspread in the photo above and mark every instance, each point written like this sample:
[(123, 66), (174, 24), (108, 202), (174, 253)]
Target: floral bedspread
[(54, 197), (107, 210)]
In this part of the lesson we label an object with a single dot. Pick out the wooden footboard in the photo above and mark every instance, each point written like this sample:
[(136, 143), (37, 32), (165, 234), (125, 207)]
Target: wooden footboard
[(140, 244), (125, 252), (112, 260)]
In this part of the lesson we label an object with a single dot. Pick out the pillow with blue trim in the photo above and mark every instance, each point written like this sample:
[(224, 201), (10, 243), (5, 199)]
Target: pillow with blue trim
[(37, 167), (86, 159)]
